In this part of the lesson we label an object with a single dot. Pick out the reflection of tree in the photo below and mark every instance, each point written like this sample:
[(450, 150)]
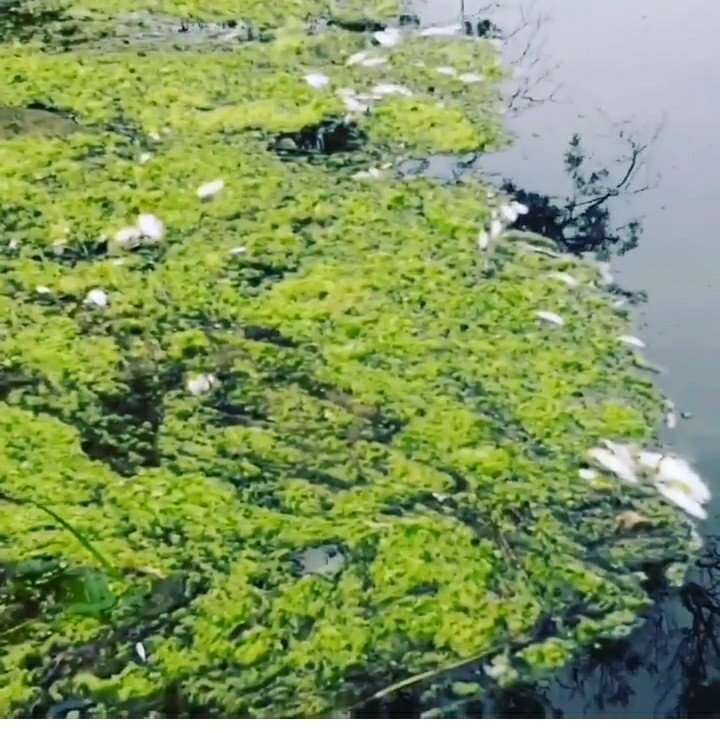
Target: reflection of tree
[(581, 222)]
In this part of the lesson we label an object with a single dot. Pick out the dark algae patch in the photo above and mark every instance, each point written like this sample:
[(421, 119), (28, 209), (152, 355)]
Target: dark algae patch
[(294, 452)]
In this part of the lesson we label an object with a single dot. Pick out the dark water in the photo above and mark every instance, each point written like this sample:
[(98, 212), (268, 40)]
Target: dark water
[(633, 80)]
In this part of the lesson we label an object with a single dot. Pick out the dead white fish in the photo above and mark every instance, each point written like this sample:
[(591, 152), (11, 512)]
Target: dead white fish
[(14, 245), (151, 227), (383, 89), (565, 277), (520, 209), (496, 228), (588, 474), (624, 452), (373, 61), (140, 651), (605, 273), (552, 318), (238, 251), (446, 71), (649, 460), (144, 157), (97, 298), (128, 235), (611, 462), (389, 37), (470, 77), (508, 212), (544, 251), (353, 104), (210, 190), (670, 415), (317, 80), (483, 241), (681, 500), (441, 30), (199, 384), (43, 290), (154, 136), (676, 471), (369, 173), (356, 58), (633, 341)]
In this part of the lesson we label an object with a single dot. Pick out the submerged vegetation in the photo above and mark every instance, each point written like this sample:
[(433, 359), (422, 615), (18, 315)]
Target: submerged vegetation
[(273, 440)]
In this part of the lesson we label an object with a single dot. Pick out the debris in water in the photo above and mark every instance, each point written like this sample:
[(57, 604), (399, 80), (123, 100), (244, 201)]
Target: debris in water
[(317, 80), (552, 318), (209, 191), (686, 415)]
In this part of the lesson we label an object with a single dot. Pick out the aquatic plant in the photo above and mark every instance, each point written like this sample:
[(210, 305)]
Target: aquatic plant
[(330, 460)]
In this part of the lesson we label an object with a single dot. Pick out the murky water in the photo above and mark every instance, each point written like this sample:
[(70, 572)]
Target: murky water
[(632, 79)]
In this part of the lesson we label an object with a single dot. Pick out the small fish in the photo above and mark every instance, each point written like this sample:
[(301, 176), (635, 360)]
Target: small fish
[(43, 290), (441, 30), (317, 80), (470, 77), (389, 37), (677, 471), (565, 277), (633, 341), (144, 157), (383, 89), (446, 71), (370, 173), (507, 211), (238, 251), (373, 61), (97, 298), (356, 58), (521, 209), (588, 474), (611, 462), (140, 651), (671, 419), (496, 228), (128, 235), (151, 227), (483, 241), (210, 190), (551, 318), (680, 499), (353, 104), (199, 384), (605, 274)]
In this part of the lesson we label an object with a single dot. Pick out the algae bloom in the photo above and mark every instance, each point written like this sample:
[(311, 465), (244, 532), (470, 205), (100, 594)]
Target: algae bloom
[(297, 452)]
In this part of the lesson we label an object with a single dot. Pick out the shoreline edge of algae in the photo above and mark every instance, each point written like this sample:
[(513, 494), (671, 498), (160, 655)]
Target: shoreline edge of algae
[(315, 452)]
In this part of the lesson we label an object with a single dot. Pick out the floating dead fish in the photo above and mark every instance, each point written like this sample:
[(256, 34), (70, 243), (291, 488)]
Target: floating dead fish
[(605, 274), (613, 463), (552, 318), (633, 341), (128, 235), (383, 89), (199, 384), (238, 251), (353, 104), (670, 415), (97, 298), (144, 157), (677, 472), (151, 227), (565, 277), (508, 212), (43, 290), (356, 58), (317, 80), (588, 474), (210, 190), (483, 241), (681, 500), (496, 228), (446, 71), (389, 37), (470, 77), (370, 173), (140, 651), (373, 61), (441, 30)]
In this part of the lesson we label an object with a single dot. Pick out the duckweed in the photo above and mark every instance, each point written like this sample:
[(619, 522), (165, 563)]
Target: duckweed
[(369, 389)]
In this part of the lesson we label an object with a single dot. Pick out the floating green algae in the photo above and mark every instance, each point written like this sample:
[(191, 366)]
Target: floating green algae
[(382, 479)]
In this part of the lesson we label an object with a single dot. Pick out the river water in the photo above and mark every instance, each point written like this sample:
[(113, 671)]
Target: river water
[(635, 77)]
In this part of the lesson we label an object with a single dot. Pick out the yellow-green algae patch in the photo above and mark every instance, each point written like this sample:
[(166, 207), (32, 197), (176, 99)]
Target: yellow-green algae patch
[(372, 393)]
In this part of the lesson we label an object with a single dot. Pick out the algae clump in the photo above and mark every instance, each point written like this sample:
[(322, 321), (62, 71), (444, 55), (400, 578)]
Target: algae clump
[(322, 453)]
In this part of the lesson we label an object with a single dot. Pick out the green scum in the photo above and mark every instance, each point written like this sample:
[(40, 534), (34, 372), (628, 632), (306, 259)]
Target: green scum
[(371, 391)]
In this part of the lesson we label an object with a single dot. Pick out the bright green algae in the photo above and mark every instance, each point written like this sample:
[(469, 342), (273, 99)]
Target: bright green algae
[(375, 392)]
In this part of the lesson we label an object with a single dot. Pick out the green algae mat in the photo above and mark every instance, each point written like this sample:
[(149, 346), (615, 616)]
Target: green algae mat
[(282, 445)]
